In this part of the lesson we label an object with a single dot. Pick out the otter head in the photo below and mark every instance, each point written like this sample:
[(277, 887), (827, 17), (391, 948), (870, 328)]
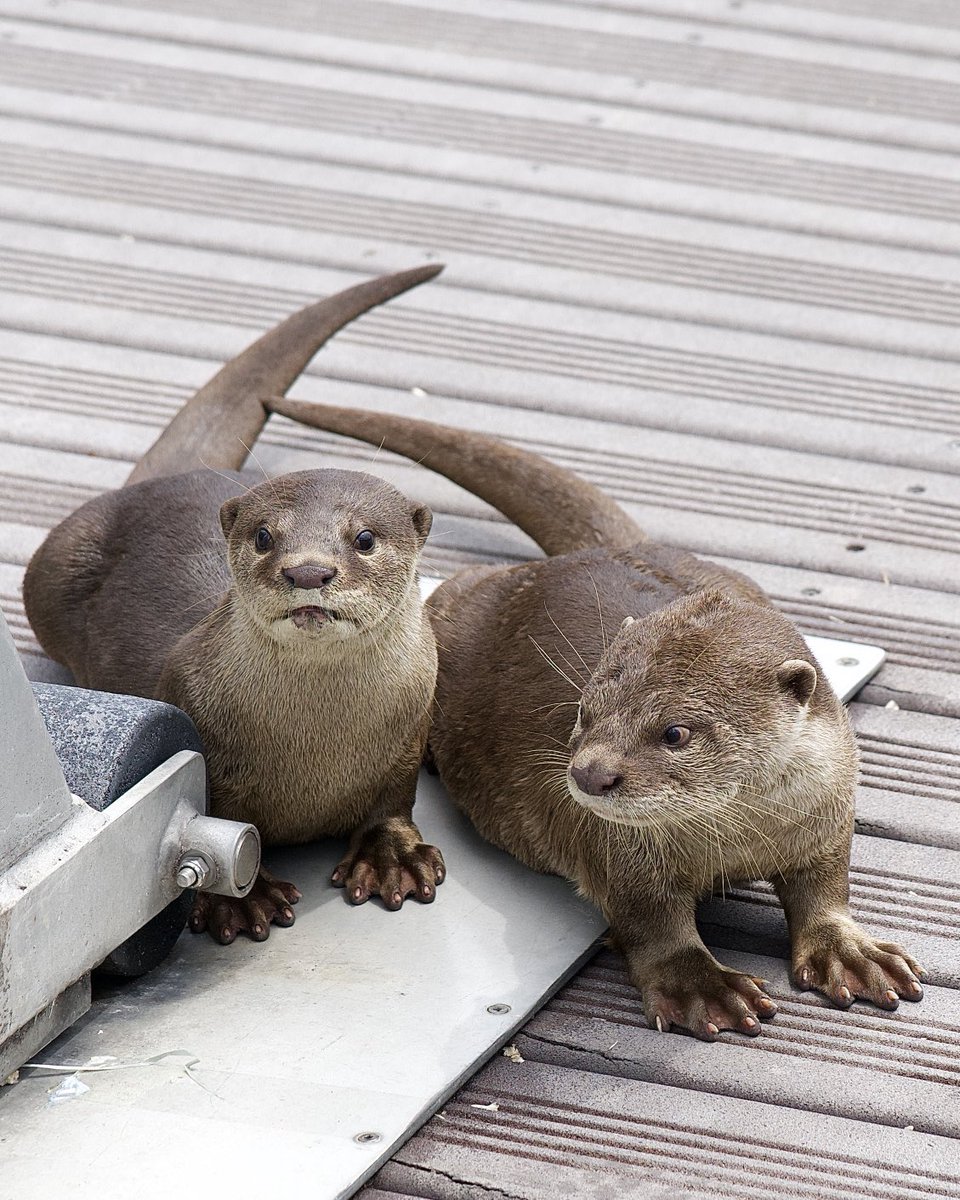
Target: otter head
[(689, 707), (323, 555)]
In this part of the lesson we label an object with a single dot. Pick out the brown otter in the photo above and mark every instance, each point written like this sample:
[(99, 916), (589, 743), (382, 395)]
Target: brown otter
[(646, 724), (301, 650)]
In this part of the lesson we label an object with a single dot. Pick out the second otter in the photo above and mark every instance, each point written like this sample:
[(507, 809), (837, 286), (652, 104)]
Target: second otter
[(646, 724)]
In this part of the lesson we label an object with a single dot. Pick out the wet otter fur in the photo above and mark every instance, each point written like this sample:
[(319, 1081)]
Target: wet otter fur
[(646, 724), (283, 615)]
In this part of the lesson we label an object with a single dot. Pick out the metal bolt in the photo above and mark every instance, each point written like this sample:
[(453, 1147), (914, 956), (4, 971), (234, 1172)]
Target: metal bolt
[(498, 1009), (192, 871), (366, 1139), (810, 591), (848, 662)]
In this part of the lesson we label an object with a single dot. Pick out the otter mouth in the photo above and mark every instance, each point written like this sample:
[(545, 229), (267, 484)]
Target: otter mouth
[(612, 807), (312, 616)]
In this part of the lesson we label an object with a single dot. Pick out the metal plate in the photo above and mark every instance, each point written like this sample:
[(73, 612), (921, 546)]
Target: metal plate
[(355, 1021), (847, 665)]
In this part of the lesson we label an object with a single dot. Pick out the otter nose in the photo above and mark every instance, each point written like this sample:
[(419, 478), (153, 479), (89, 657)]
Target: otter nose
[(595, 779), (309, 575)]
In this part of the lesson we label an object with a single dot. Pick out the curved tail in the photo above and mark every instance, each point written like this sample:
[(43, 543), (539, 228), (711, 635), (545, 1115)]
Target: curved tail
[(558, 509), (218, 425)]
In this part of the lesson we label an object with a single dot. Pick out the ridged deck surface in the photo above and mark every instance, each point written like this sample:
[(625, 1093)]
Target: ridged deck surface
[(704, 252)]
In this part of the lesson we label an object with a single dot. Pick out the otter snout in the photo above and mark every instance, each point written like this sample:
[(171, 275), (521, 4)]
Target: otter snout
[(310, 575), (595, 778)]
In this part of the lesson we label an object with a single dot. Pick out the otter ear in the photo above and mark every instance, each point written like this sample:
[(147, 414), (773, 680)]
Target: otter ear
[(422, 519), (799, 677), (228, 515)]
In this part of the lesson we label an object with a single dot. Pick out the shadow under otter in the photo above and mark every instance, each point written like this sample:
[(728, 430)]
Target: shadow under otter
[(645, 723), (284, 616)]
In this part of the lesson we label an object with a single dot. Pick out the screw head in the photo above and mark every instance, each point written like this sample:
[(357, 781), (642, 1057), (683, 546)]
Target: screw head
[(847, 661), (367, 1138), (810, 591), (498, 1010)]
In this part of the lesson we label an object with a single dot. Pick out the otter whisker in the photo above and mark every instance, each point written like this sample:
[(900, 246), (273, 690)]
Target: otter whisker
[(567, 640), (551, 663), (726, 883), (559, 741), (229, 478), (206, 600), (596, 592), (378, 451), (253, 455)]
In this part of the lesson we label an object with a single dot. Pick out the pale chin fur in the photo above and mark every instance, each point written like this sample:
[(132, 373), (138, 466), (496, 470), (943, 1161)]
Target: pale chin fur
[(287, 633)]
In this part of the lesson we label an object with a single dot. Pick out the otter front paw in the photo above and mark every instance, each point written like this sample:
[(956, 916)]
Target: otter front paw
[(691, 990), (267, 903), (390, 861), (841, 961)]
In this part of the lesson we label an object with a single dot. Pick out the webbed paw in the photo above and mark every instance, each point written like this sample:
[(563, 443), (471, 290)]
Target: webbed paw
[(390, 861), (691, 990), (845, 964), (268, 903)]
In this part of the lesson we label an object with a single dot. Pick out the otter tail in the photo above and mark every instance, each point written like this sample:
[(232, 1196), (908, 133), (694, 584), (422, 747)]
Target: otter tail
[(219, 424), (558, 509)]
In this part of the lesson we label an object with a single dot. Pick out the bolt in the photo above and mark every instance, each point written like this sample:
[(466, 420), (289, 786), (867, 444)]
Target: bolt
[(368, 1138), (916, 489), (192, 871), (848, 662), (810, 591), (498, 1010)]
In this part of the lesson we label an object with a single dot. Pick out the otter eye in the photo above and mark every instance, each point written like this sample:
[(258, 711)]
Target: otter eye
[(364, 542), (675, 736), (262, 540)]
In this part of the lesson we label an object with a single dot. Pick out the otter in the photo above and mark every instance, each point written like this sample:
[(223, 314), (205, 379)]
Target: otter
[(646, 724), (283, 615)]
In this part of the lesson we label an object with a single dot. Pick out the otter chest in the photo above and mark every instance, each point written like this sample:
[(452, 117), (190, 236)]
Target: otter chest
[(306, 756)]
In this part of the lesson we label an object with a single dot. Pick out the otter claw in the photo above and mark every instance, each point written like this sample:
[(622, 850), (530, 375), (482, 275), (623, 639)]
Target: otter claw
[(691, 990), (390, 861), (847, 965), (224, 917)]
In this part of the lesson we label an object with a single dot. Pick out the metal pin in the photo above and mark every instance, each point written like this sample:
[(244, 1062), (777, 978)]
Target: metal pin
[(192, 871)]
